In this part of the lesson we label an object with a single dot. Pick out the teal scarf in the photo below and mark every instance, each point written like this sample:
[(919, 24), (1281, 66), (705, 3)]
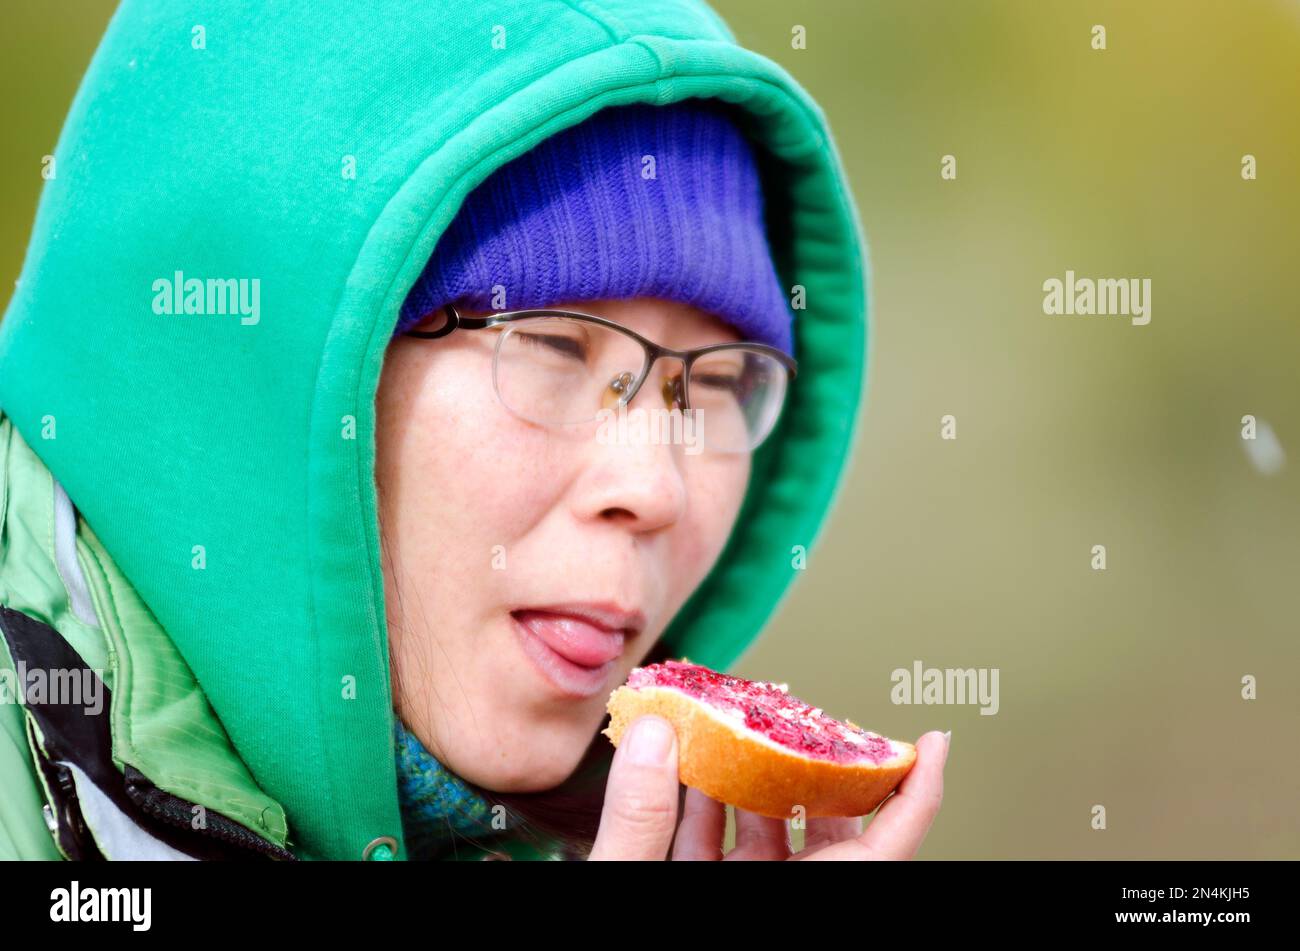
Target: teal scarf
[(437, 805)]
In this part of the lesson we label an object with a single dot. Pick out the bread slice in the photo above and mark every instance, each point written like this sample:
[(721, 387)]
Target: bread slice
[(752, 745)]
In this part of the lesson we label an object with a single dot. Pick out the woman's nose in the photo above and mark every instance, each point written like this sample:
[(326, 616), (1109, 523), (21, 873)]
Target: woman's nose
[(636, 476), (638, 484)]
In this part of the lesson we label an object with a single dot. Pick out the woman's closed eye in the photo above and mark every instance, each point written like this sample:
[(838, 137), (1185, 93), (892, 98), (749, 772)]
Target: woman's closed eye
[(723, 382), (557, 343)]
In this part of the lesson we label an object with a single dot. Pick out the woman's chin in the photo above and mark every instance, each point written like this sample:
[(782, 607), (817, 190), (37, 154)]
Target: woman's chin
[(533, 783), (528, 769)]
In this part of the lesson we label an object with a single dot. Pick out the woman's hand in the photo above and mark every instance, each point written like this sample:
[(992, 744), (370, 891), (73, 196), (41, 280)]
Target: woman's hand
[(640, 814)]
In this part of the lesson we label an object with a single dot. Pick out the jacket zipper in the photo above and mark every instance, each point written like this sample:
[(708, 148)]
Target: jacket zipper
[(179, 812)]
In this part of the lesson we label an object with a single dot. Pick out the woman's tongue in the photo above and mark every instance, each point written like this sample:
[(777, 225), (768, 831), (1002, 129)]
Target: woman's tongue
[(572, 638)]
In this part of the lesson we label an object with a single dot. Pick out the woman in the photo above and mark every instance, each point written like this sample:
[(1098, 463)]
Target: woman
[(294, 542)]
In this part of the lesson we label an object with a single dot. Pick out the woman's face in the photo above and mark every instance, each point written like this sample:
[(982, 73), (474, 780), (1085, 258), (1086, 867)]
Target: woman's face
[(485, 515)]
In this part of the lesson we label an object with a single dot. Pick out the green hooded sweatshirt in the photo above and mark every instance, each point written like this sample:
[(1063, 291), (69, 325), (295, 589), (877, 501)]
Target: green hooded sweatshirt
[(232, 591)]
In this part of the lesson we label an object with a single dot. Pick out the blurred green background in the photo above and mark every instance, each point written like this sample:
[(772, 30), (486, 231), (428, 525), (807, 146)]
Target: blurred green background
[(1119, 687)]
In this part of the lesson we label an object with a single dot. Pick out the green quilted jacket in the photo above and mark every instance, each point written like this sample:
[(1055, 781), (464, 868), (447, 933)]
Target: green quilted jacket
[(323, 156)]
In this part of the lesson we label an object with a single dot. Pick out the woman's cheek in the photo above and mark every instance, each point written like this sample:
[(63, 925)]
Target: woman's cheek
[(720, 491)]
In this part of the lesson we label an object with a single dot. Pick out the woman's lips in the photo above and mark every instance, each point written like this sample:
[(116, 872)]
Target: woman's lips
[(573, 638), (574, 654)]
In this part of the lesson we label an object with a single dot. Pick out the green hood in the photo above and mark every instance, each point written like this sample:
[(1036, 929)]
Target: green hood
[(230, 161)]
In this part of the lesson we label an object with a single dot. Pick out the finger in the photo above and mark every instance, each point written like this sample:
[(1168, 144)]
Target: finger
[(703, 825), (827, 831), (760, 838), (640, 810), (902, 822)]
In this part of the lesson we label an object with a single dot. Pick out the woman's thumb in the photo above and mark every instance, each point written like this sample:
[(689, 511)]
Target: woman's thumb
[(640, 813)]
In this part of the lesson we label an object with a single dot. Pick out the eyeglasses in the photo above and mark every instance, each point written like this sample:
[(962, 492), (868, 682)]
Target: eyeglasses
[(563, 368)]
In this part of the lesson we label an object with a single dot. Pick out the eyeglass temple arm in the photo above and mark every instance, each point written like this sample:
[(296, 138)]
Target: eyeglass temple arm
[(453, 322)]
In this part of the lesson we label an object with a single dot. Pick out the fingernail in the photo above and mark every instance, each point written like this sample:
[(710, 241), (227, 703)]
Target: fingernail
[(650, 741), (948, 737)]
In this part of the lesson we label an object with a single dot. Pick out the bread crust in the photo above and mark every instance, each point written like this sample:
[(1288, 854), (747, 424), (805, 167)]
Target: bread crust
[(727, 763)]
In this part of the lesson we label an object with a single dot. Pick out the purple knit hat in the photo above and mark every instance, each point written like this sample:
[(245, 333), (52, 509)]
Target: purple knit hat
[(584, 215)]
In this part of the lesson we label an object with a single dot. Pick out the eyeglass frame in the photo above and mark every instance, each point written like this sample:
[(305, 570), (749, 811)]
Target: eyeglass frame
[(653, 351)]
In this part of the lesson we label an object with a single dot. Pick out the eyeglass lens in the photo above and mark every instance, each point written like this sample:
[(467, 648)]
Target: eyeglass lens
[(559, 371)]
